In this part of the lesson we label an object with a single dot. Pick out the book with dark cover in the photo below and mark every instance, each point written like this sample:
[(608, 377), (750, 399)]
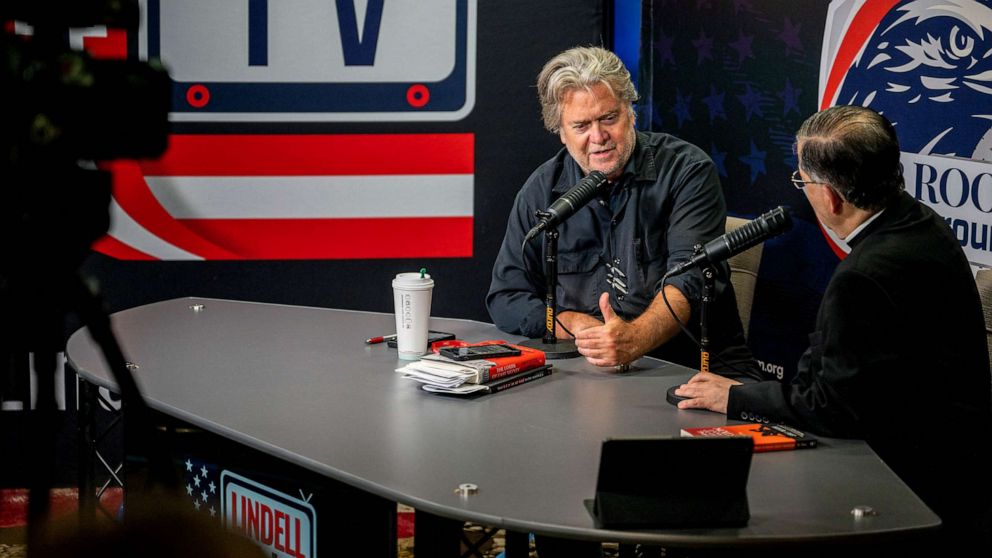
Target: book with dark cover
[(495, 386), (767, 437), (505, 383)]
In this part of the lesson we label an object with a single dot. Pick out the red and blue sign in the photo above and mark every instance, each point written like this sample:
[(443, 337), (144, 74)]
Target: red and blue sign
[(314, 60), (927, 66), (272, 197)]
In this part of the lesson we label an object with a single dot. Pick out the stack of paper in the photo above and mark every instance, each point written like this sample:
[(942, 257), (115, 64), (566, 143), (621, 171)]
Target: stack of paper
[(441, 372)]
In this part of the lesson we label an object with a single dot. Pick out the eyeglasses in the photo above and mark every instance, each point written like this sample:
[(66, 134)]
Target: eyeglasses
[(799, 183)]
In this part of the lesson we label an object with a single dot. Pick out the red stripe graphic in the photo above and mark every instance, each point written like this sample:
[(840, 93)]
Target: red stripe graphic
[(116, 249), (292, 156), (279, 239), (860, 30), (315, 155), (134, 197), (111, 47)]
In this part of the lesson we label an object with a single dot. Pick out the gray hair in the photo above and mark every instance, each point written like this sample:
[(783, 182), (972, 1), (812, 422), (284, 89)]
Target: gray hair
[(855, 151), (581, 68)]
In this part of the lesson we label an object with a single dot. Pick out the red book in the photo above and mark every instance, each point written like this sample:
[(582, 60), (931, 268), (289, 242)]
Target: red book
[(495, 368), (767, 437)]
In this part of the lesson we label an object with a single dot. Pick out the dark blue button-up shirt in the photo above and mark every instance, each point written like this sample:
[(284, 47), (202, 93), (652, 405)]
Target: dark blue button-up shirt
[(667, 200)]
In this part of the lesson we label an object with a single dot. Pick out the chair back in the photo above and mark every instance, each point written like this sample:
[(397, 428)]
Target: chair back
[(984, 280), (744, 274)]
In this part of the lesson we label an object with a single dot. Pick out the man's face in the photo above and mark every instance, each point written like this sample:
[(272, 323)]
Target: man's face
[(597, 129), (815, 196)]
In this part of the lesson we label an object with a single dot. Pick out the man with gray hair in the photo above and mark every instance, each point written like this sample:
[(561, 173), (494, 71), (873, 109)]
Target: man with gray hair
[(663, 197), (899, 354)]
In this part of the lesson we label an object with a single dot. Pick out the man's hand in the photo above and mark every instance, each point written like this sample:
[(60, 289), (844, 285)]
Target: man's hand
[(708, 391), (612, 343), (575, 322)]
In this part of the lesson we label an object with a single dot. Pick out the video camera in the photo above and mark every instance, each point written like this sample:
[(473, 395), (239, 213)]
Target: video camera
[(64, 112)]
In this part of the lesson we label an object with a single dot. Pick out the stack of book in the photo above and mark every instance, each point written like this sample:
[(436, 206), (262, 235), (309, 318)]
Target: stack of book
[(440, 374), (767, 437)]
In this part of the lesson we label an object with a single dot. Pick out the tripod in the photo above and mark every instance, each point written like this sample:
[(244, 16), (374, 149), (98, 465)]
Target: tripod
[(46, 306)]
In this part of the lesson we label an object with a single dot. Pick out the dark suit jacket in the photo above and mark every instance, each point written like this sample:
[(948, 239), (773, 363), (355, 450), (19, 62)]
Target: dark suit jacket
[(898, 358)]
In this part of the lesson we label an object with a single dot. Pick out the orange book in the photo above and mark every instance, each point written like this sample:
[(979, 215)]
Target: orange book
[(767, 437)]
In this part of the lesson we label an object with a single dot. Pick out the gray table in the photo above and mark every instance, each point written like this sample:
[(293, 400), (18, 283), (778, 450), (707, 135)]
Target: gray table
[(323, 400)]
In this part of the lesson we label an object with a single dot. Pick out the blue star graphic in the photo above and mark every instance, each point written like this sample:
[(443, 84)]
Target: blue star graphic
[(790, 98), (681, 108), (203, 470), (663, 46), (718, 160), (743, 47), (751, 100), (189, 465), (755, 160), (703, 46), (189, 490), (790, 36), (714, 102)]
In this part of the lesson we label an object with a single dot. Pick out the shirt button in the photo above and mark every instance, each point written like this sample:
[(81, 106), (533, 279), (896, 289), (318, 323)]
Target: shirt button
[(743, 415)]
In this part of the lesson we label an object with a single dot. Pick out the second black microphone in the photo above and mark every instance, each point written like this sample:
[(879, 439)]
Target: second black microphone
[(763, 227)]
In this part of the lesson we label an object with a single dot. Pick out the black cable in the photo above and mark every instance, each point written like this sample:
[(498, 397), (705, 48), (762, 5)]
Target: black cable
[(530, 274), (557, 321), (523, 256), (685, 329)]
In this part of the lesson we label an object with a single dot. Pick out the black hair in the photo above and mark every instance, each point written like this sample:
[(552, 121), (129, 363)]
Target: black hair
[(855, 151)]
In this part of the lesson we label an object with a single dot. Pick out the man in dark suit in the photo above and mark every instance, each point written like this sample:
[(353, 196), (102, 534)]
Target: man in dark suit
[(899, 354)]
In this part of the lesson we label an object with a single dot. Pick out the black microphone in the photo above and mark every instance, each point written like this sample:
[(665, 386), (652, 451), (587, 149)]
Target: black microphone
[(563, 207), (770, 224)]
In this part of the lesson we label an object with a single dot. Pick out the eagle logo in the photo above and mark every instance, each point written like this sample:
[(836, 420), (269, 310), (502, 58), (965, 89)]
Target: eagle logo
[(925, 65)]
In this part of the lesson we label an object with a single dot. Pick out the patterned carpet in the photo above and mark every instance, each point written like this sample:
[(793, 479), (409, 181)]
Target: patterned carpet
[(64, 501), (13, 510)]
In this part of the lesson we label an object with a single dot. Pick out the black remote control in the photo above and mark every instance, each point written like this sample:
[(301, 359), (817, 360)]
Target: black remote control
[(672, 398)]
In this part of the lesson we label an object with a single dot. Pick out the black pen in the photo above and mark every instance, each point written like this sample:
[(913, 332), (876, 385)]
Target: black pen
[(380, 339)]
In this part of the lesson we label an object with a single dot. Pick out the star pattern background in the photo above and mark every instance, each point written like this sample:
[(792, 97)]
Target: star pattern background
[(202, 487), (737, 78)]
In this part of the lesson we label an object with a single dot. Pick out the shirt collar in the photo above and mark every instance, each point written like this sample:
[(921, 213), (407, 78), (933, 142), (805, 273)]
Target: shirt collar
[(861, 227), (640, 167)]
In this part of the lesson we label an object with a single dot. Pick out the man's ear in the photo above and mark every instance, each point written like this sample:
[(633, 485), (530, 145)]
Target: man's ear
[(834, 201), (561, 135)]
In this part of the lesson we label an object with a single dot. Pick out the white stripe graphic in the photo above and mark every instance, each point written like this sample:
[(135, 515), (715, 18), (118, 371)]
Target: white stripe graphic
[(314, 197), (128, 231)]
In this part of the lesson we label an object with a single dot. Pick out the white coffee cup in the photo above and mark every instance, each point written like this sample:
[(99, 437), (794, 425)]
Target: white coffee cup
[(412, 300)]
